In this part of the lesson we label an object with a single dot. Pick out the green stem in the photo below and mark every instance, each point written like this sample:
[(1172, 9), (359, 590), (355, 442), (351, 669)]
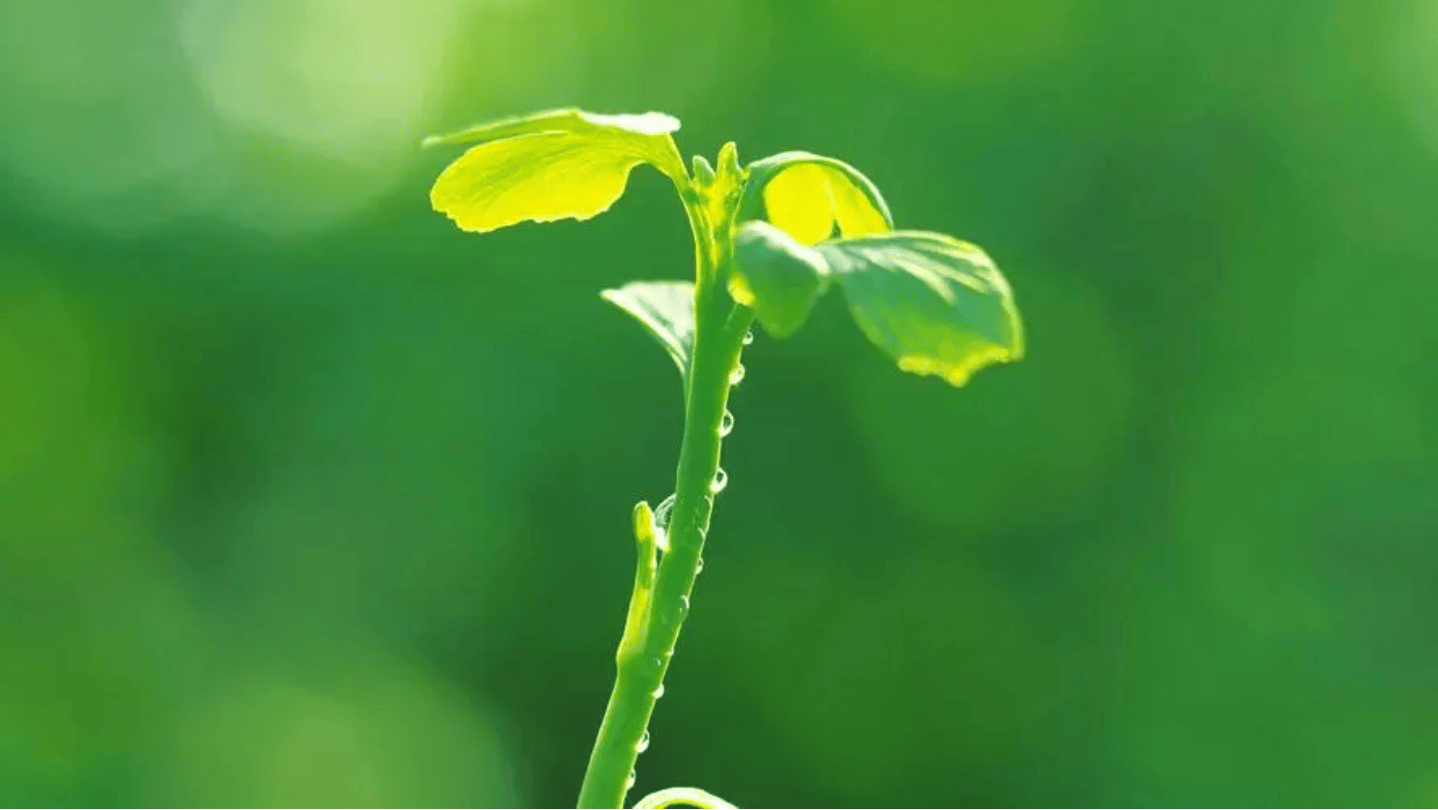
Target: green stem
[(642, 663)]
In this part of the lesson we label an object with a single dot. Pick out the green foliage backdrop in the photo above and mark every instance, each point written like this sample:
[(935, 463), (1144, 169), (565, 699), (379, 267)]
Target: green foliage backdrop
[(308, 498)]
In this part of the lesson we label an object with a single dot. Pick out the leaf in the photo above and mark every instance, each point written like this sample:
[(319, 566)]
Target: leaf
[(724, 187), (552, 165), (933, 303), (561, 120), (807, 194), (777, 277), (666, 308)]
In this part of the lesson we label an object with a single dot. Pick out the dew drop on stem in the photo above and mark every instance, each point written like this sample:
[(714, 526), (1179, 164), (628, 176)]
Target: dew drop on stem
[(737, 375), (726, 424), (748, 337), (629, 783), (643, 744), (699, 566), (659, 691), (661, 512), (721, 480)]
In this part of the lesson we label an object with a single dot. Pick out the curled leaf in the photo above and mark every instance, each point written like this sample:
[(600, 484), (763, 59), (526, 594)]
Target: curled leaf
[(553, 165), (776, 276), (933, 303), (806, 195), (682, 797), (666, 309)]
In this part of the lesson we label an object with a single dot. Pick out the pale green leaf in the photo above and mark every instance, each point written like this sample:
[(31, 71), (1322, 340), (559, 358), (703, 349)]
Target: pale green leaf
[(553, 165), (776, 276), (807, 195), (933, 303), (563, 120), (666, 308)]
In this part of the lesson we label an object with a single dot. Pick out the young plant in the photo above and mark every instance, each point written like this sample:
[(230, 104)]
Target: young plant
[(770, 238)]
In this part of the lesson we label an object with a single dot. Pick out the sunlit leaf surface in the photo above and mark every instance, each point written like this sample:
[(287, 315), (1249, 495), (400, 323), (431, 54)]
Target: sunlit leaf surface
[(563, 120), (933, 303), (555, 165), (807, 195)]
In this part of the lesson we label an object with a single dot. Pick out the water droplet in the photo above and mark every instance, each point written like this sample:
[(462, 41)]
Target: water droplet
[(748, 337), (643, 744), (726, 424), (661, 512), (721, 480), (699, 566), (629, 783), (659, 691), (683, 606), (737, 375)]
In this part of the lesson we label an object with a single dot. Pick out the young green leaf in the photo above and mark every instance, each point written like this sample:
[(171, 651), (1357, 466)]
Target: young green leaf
[(807, 194), (553, 165), (721, 189), (776, 276), (562, 120), (666, 308), (933, 303)]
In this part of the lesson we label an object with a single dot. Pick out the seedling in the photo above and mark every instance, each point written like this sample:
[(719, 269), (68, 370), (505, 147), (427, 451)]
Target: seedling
[(769, 239)]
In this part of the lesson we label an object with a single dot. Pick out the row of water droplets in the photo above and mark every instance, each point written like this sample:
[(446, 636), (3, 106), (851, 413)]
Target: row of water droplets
[(726, 422), (643, 744), (665, 509), (662, 514)]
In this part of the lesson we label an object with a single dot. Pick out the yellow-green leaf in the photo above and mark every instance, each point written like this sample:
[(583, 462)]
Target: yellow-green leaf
[(933, 303), (807, 195), (554, 165), (562, 120)]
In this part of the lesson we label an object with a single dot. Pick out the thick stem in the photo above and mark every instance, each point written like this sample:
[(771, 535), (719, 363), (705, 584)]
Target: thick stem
[(718, 341)]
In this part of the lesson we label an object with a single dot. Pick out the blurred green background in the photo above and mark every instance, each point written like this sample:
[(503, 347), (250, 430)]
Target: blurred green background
[(308, 498)]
